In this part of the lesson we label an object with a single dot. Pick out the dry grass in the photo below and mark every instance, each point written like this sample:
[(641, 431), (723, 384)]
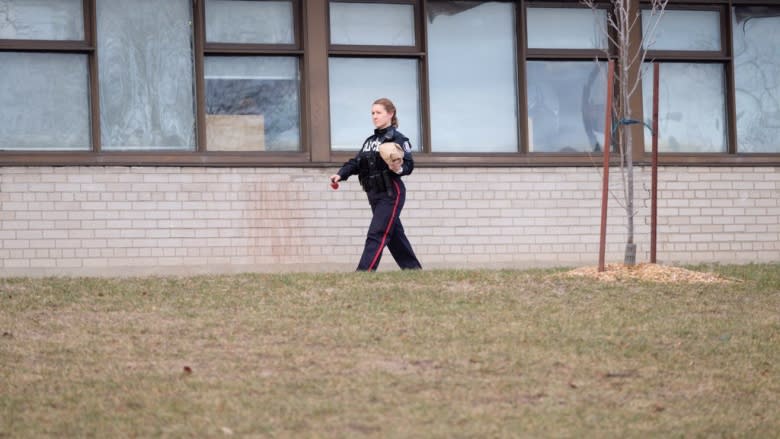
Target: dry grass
[(401, 354)]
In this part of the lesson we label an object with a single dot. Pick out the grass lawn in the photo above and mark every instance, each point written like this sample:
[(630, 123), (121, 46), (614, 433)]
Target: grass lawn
[(395, 354)]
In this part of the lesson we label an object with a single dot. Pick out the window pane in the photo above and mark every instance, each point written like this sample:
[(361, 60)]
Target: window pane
[(371, 24), (566, 106), (559, 28), (355, 85), (757, 78), (146, 74), (473, 84), (682, 30), (41, 20), (259, 22), (44, 101), (252, 104), (691, 107)]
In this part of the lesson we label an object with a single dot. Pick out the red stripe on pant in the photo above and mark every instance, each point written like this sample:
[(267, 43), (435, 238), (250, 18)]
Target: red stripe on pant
[(387, 229)]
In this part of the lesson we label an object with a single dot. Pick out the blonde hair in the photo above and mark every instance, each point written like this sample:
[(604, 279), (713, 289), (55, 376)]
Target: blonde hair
[(390, 108)]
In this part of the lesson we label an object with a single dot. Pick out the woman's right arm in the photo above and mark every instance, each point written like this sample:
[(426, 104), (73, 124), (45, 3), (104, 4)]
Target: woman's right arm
[(347, 169)]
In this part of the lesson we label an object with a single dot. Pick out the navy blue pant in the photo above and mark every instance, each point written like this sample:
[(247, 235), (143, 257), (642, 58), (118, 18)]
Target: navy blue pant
[(386, 230)]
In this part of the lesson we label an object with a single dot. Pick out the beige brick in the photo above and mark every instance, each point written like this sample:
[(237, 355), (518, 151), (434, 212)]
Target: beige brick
[(285, 216)]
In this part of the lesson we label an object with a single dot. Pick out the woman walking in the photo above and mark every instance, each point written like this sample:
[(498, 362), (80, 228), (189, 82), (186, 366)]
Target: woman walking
[(384, 157)]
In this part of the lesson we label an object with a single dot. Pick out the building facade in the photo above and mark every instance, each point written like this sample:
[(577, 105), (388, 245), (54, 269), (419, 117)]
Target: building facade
[(184, 136)]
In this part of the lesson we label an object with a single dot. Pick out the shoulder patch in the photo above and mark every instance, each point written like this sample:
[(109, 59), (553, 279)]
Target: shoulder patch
[(407, 146)]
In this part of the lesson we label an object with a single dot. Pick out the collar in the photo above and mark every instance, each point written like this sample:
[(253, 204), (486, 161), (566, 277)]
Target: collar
[(386, 133)]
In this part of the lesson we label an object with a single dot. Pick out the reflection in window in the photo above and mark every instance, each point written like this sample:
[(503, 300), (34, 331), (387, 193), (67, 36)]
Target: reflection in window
[(258, 22), (146, 74), (682, 30), (355, 83), (692, 107), (252, 104), (371, 24), (472, 71), (566, 28), (757, 78), (41, 20), (44, 101), (566, 106)]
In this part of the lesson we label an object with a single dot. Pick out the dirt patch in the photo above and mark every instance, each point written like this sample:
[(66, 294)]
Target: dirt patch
[(647, 272)]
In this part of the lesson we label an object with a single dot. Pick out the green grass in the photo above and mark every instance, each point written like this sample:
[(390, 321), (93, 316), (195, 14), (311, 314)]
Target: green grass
[(396, 354)]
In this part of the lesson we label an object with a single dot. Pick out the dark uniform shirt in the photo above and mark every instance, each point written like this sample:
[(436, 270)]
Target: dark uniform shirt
[(367, 162)]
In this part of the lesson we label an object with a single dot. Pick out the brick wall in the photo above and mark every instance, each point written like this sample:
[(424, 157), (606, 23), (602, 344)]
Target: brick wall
[(128, 220)]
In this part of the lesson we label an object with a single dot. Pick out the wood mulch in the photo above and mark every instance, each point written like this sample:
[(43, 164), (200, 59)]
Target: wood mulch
[(646, 272)]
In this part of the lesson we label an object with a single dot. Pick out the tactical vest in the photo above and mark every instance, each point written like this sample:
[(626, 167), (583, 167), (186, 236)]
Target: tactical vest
[(370, 174)]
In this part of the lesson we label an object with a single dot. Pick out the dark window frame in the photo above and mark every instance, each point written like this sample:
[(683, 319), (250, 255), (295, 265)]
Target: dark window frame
[(205, 49), (312, 47), (86, 46), (724, 57), (535, 54), (416, 52), (721, 57)]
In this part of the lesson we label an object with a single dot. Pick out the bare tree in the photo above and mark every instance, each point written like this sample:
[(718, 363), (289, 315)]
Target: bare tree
[(623, 21)]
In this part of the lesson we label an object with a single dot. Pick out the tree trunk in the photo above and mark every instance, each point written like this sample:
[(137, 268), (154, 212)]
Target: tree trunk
[(628, 153)]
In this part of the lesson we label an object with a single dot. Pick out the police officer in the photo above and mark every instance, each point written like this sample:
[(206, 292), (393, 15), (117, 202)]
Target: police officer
[(385, 190)]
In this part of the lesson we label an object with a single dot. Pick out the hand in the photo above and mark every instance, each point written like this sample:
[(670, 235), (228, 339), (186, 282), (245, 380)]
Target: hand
[(396, 166), (334, 181)]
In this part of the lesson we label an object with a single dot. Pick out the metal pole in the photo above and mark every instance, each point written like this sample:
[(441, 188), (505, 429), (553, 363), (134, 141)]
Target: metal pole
[(605, 177), (654, 183)]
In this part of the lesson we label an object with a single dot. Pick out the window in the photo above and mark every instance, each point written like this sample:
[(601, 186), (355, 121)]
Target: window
[(692, 114), (353, 87), (44, 95), (252, 97), (46, 105), (756, 32), (291, 82), (472, 62), (566, 106), (371, 24), (559, 28), (565, 87), (250, 22), (252, 103), (147, 87), (59, 20), (360, 70), (681, 30)]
